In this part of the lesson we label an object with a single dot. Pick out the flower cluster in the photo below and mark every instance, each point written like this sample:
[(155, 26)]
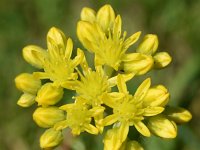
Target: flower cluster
[(101, 34)]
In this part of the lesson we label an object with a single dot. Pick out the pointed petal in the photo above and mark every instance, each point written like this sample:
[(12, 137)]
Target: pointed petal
[(69, 48), (69, 85), (41, 75), (88, 14), (105, 17), (152, 111), (91, 129), (112, 99), (110, 119), (61, 125), (131, 40), (142, 89), (121, 84), (117, 27), (123, 131), (78, 59), (142, 128)]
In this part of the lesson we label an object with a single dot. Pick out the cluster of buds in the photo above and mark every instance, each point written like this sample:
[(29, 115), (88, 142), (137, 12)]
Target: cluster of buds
[(100, 33)]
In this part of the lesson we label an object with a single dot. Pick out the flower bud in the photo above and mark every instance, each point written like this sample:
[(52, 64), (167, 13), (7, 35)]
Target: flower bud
[(137, 63), (111, 140), (47, 116), (161, 60), (50, 138), (148, 45), (26, 100), (178, 115), (133, 145), (27, 83), (106, 17), (88, 14), (34, 55), (161, 126), (156, 96), (49, 94)]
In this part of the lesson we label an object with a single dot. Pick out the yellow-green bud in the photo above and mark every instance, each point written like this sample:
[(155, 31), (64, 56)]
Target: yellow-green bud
[(49, 94), (88, 14), (105, 17), (177, 114), (34, 55), (50, 138), (137, 63), (111, 140), (47, 116), (161, 126), (26, 100), (156, 96), (161, 60), (27, 83), (133, 145), (148, 45)]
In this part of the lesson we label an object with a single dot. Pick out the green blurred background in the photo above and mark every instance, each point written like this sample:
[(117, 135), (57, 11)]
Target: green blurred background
[(177, 24)]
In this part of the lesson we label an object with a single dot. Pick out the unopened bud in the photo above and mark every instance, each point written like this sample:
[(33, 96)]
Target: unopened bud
[(26, 100), (161, 126), (47, 116), (177, 114), (49, 94), (156, 96), (161, 60), (148, 45), (137, 63), (88, 14), (34, 55), (27, 83), (133, 145), (50, 138)]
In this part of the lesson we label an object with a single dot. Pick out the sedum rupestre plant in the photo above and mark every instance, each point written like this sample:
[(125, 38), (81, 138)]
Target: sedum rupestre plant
[(100, 33)]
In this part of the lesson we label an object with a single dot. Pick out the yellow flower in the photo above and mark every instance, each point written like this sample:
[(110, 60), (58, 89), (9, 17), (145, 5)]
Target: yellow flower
[(128, 109), (50, 138), (101, 34), (79, 118), (56, 61)]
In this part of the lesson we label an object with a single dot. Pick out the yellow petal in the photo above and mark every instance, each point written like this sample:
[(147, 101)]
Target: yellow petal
[(131, 40), (111, 99), (61, 125), (121, 84), (152, 111), (142, 89), (88, 14), (56, 43), (78, 59), (69, 48), (110, 119), (123, 131), (142, 128), (91, 129), (117, 28), (105, 17)]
